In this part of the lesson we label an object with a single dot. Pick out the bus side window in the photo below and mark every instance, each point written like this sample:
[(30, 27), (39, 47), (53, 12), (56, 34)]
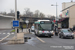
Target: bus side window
[(38, 27)]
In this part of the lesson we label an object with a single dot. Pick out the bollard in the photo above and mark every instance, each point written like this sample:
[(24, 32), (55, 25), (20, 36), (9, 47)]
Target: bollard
[(17, 30), (25, 39)]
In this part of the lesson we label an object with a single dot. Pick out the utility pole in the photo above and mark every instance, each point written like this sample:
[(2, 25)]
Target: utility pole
[(16, 17), (55, 18), (56, 11)]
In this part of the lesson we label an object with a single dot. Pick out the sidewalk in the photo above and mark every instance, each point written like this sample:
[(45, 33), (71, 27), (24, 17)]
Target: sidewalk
[(24, 30), (19, 39), (20, 47)]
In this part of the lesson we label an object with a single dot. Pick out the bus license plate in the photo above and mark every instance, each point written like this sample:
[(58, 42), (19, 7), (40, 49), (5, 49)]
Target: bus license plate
[(46, 34), (46, 31)]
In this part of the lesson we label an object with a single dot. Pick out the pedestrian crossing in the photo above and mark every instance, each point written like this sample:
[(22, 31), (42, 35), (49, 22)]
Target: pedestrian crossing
[(7, 33)]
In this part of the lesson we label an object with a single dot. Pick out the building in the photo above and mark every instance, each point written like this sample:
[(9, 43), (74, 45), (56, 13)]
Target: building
[(6, 22), (64, 6), (69, 12)]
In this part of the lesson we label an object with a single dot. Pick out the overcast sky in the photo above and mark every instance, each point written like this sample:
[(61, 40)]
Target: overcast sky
[(41, 5)]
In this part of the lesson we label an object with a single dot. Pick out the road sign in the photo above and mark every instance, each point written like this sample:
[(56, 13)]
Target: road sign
[(16, 23), (27, 21)]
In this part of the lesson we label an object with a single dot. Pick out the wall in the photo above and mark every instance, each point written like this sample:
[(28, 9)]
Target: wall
[(64, 12), (5, 23), (65, 5), (72, 16)]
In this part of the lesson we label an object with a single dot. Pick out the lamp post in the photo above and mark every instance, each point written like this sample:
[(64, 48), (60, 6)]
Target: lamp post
[(56, 11), (55, 19)]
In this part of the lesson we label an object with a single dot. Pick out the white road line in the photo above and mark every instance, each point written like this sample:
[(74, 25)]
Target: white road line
[(8, 33), (5, 37), (12, 33), (4, 33), (40, 40)]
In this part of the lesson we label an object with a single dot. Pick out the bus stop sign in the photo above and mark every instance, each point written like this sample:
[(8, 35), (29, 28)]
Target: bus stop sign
[(15, 23)]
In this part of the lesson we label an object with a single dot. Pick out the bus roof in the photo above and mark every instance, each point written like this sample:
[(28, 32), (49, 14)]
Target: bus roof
[(38, 22), (43, 20)]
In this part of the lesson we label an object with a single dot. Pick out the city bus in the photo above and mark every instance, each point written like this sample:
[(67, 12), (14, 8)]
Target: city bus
[(44, 28)]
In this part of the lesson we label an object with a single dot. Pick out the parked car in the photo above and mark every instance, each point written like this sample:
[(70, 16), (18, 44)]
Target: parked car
[(66, 33)]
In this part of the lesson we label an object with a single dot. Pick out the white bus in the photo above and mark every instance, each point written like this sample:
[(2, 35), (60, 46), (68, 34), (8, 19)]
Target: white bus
[(44, 28)]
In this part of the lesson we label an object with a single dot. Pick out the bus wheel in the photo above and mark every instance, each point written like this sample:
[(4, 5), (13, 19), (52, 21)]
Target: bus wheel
[(50, 36)]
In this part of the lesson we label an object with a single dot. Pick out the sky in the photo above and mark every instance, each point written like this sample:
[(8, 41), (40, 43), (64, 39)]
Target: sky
[(43, 6)]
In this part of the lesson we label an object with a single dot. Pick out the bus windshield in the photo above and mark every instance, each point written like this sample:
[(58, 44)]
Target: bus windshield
[(46, 26)]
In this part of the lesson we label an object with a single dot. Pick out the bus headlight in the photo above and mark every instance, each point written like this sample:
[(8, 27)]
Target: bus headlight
[(52, 31), (40, 31)]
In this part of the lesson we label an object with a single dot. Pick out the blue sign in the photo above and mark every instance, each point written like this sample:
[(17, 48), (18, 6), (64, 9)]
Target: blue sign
[(15, 23)]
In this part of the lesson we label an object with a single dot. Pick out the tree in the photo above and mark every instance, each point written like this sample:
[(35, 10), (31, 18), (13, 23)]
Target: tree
[(36, 14), (48, 16), (11, 13), (3, 13), (41, 15), (27, 12)]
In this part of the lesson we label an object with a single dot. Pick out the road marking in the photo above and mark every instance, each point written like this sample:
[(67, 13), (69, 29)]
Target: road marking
[(8, 33), (5, 37), (3, 33), (12, 33), (40, 40)]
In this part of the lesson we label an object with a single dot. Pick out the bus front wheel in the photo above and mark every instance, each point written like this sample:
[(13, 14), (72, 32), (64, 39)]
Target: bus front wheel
[(49, 36)]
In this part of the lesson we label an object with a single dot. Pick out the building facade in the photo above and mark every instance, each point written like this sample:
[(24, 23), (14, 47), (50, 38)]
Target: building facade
[(68, 10), (72, 16), (6, 22)]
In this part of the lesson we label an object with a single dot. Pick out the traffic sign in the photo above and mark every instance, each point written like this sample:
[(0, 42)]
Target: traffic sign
[(27, 21), (15, 23)]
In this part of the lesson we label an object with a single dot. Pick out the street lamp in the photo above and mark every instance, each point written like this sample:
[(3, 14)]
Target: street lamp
[(56, 11), (55, 17)]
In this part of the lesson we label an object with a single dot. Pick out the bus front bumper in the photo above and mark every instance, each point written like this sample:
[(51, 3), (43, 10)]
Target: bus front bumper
[(46, 34)]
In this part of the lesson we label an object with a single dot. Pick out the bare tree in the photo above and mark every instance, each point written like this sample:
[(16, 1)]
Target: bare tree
[(27, 12), (36, 14), (48, 16), (41, 15), (3, 13), (11, 13)]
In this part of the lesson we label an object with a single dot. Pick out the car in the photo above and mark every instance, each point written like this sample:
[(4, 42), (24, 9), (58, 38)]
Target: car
[(66, 33)]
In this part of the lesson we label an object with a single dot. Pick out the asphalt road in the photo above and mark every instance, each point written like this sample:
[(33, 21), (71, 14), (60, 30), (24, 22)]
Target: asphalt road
[(4, 33), (36, 43)]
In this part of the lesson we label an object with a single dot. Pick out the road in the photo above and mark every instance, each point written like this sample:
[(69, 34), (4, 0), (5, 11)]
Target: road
[(5, 33), (42, 43)]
